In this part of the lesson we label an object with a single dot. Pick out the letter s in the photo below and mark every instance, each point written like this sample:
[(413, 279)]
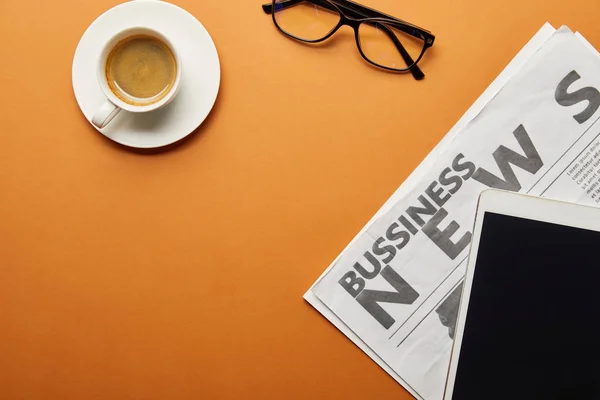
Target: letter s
[(380, 250), (446, 180), (469, 166), (566, 99)]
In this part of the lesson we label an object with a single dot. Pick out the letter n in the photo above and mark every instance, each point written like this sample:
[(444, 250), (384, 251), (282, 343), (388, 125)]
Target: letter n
[(370, 299)]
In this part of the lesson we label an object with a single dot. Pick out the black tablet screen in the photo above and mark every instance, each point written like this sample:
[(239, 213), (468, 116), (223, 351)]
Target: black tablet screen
[(533, 322)]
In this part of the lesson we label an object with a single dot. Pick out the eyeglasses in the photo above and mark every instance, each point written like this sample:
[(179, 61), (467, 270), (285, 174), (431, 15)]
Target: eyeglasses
[(384, 41)]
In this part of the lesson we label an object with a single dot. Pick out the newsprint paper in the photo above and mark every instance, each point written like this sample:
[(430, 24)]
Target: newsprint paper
[(395, 289)]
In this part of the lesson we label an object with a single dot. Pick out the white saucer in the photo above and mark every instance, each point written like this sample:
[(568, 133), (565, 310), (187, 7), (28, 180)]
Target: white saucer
[(200, 78)]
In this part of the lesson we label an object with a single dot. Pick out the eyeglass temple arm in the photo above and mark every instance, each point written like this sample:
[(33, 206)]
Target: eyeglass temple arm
[(414, 69), (372, 13)]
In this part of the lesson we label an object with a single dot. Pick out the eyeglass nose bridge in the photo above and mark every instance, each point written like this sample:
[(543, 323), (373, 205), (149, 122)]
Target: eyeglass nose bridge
[(349, 21), (346, 20)]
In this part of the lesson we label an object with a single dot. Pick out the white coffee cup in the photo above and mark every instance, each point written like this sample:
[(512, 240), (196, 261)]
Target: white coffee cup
[(113, 105)]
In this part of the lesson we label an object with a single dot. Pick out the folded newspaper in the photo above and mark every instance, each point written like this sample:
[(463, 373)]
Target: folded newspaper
[(395, 289)]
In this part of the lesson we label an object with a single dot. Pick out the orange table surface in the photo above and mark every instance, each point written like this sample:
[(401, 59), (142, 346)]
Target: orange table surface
[(179, 274)]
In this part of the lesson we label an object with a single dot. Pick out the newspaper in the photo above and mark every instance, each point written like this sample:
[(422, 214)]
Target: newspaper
[(395, 289)]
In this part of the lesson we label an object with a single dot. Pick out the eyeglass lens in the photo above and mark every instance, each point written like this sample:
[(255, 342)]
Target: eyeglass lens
[(305, 20), (376, 41)]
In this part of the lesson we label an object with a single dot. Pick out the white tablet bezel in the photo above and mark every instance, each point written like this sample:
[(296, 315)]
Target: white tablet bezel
[(516, 205)]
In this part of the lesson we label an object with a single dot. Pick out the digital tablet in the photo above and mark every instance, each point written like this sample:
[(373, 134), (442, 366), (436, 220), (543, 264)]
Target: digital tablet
[(529, 317)]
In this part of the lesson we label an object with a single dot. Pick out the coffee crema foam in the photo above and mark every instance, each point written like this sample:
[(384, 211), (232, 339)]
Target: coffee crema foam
[(141, 70)]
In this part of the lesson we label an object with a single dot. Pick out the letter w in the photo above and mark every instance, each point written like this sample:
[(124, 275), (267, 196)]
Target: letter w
[(370, 299), (504, 156)]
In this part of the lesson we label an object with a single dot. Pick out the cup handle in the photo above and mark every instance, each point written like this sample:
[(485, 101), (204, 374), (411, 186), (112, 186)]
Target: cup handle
[(105, 114)]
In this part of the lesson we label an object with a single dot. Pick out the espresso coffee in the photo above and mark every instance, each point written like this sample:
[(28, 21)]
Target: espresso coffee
[(141, 70)]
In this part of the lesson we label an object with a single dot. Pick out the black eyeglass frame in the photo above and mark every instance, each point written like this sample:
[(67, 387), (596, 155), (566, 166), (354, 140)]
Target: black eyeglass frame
[(353, 14)]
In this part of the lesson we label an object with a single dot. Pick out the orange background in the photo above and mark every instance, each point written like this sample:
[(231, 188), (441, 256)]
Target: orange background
[(179, 274)]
